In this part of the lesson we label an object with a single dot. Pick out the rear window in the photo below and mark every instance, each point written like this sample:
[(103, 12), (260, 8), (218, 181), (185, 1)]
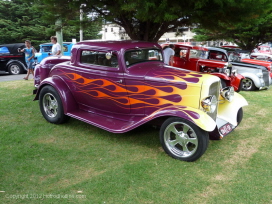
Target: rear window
[(4, 50)]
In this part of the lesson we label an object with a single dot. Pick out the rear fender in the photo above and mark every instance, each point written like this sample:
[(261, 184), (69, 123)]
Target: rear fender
[(68, 101), (196, 116), (18, 62)]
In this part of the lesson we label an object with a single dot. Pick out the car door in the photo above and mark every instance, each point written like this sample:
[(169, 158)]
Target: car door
[(180, 56), (100, 83)]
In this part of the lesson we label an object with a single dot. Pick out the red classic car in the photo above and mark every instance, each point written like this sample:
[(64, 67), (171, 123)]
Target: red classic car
[(195, 58), (120, 85)]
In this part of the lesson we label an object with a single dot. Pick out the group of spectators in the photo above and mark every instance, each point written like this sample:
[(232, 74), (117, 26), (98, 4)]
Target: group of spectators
[(30, 54)]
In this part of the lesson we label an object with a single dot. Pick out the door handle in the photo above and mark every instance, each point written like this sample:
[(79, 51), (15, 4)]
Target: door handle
[(120, 81)]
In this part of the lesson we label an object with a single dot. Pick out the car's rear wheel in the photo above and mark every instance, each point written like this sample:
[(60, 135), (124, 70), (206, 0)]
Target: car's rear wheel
[(183, 140), (248, 85), (51, 105), (15, 68)]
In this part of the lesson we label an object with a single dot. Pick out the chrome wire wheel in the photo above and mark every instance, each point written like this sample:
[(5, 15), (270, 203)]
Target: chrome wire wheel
[(50, 105), (180, 139), (15, 69)]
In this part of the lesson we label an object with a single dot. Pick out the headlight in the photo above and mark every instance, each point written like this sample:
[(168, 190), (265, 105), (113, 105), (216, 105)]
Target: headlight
[(260, 75), (227, 93), (209, 104)]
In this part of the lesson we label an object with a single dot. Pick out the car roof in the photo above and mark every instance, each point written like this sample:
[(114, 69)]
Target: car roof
[(185, 45), (261, 54), (119, 44), (13, 47), (218, 49)]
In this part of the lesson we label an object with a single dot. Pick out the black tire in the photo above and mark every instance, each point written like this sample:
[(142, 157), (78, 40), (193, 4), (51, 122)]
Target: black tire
[(15, 68), (240, 115), (51, 106), (248, 85), (223, 83), (191, 142)]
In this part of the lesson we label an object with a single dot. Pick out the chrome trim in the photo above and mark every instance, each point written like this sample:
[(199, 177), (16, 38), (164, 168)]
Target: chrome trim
[(227, 93)]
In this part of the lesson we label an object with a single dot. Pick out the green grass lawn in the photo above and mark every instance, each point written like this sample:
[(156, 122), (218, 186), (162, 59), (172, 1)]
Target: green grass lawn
[(79, 163)]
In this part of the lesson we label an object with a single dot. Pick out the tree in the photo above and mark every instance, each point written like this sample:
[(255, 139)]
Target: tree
[(23, 19), (19, 21), (246, 35), (149, 20)]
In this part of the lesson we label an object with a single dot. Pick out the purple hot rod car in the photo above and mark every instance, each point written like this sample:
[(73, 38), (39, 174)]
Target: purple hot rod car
[(120, 85)]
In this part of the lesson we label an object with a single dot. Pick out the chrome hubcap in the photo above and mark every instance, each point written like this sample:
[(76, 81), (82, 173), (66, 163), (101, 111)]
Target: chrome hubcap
[(50, 105), (15, 69), (180, 139), (247, 83)]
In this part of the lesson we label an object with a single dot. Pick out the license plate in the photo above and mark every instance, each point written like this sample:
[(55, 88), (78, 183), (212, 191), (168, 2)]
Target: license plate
[(225, 129)]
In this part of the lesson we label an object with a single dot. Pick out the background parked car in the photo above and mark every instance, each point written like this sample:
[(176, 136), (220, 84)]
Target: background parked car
[(11, 60), (256, 76), (264, 49), (195, 58), (261, 56), (46, 48)]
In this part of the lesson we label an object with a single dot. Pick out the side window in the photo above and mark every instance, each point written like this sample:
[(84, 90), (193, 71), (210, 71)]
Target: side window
[(98, 58)]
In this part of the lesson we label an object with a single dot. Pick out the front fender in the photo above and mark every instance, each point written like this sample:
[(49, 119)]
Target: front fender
[(196, 116), (228, 110), (68, 101), (221, 76), (254, 78)]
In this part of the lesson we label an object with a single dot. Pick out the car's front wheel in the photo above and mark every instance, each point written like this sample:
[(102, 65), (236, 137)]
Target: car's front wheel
[(183, 140), (51, 105), (248, 85), (15, 68), (240, 115)]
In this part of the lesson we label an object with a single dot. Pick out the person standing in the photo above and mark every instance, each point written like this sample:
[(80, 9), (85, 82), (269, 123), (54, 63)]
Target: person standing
[(29, 58), (56, 48), (169, 53)]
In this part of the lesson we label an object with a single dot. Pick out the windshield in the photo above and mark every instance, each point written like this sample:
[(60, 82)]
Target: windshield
[(233, 57), (142, 55), (198, 54)]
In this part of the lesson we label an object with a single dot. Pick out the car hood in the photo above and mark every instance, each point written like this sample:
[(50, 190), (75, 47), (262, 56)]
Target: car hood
[(248, 65), (172, 75), (160, 72)]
